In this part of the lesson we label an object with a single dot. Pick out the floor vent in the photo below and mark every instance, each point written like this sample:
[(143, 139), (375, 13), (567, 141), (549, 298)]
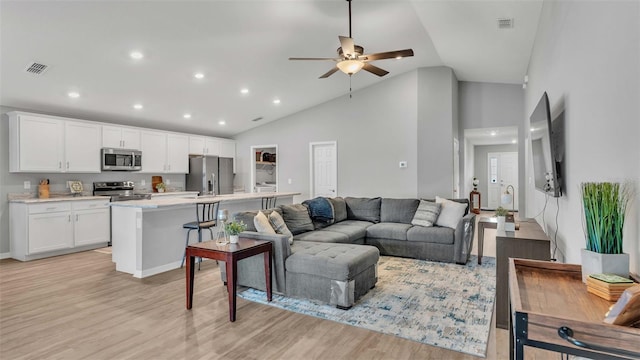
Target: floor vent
[(36, 68), (505, 23), (257, 119)]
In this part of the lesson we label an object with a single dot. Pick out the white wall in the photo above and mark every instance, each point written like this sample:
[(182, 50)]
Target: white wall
[(586, 57)]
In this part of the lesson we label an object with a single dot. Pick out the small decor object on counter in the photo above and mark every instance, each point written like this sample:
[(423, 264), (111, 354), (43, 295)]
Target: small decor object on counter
[(233, 229), (75, 186), (501, 213), (43, 189), (608, 286), (155, 180), (605, 208), (161, 187)]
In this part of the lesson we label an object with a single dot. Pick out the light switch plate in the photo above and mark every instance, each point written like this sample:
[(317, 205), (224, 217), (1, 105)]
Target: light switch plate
[(27, 185), (143, 183)]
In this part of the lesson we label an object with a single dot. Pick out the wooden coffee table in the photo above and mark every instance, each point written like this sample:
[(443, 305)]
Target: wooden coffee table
[(230, 254)]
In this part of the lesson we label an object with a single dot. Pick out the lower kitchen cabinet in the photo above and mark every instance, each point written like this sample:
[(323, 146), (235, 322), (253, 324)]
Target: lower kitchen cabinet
[(39, 230)]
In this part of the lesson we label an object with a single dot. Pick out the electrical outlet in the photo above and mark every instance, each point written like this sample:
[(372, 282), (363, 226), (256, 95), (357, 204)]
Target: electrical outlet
[(143, 183), (27, 185), (403, 164), (289, 181), (168, 182)]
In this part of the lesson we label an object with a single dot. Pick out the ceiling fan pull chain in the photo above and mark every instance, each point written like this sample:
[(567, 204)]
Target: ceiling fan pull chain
[(350, 75)]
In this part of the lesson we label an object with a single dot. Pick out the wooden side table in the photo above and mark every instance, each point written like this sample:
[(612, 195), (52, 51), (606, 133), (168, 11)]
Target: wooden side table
[(230, 254)]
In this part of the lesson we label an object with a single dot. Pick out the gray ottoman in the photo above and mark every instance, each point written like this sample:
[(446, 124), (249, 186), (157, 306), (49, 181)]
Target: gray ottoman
[(338, 274)]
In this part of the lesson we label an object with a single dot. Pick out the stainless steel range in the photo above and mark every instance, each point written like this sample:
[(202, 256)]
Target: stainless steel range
[(118, 190)]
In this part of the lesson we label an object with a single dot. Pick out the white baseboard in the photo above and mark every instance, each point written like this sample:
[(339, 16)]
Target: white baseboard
[(5, 255)]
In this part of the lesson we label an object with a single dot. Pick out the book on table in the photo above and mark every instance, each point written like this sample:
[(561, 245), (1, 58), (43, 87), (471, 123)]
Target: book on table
[(608, 286)]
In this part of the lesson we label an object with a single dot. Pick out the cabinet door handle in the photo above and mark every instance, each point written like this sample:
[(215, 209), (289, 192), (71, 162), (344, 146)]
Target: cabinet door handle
[(67, 165), (59, 164), (76, 217), (567, 334), (51, 208), (69, 218)]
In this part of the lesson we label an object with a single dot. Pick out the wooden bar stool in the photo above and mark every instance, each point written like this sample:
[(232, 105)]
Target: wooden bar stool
[(206, 218)]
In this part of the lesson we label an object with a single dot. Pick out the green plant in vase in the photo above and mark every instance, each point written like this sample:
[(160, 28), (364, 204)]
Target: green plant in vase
[(605, 208), (233, 229), (500, 211), (161, 187)]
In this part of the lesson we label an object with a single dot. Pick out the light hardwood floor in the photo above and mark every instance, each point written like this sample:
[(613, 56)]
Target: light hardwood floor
[(78, 307)]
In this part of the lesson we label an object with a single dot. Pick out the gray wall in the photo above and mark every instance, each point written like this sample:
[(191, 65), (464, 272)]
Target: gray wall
[(12, 183), (586, 56), (480, 154), (486, 105)]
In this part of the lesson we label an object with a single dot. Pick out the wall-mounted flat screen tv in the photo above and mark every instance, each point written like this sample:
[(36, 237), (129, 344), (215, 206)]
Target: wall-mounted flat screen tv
[(547, 148)]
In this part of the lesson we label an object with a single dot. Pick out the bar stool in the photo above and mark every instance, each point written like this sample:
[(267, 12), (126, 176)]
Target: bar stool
[(205, 219), (268, 202)]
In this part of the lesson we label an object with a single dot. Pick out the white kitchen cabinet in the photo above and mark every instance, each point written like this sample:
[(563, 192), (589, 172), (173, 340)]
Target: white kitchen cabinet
[(202, 145), (119, 137), (164, 152), (82, 147), (52, 145), (44, 229), (36, 143)]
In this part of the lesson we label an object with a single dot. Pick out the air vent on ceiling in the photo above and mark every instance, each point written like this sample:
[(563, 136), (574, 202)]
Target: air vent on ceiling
[(257, 119), (36, 68), (505, 23)]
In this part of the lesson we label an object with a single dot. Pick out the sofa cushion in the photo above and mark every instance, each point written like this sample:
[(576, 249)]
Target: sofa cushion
[(333, 261), (323, 236), (247, 217), (297, 218), (389, 231), (339, 209), (278, 224), (451, 212), (367, 209), (262, 224), (427, 213), (432, 234), (354, 231), (398, 210)]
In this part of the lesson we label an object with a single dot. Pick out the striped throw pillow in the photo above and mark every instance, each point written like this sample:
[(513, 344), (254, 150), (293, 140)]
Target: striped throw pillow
[(426, 214)]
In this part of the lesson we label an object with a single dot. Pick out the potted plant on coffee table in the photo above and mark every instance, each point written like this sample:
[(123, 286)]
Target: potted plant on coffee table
[(501, 213), (605, 208), (233, 229)]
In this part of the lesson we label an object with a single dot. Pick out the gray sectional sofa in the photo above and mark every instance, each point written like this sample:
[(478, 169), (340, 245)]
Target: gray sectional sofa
[(335, 260)]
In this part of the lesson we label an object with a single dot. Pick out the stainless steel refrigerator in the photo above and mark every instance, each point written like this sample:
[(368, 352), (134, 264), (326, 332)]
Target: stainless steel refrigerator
[(210, 175)]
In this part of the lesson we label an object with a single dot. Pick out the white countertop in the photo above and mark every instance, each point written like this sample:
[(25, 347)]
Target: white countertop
[(33, 200), (174, 193), (160, 202)]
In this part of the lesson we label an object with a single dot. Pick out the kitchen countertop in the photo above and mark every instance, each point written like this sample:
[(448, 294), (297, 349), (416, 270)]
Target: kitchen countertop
[(35, 200), (174, 193), (159, 202)]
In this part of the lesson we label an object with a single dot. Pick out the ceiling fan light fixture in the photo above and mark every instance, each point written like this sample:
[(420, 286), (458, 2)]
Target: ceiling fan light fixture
[(350, 67)]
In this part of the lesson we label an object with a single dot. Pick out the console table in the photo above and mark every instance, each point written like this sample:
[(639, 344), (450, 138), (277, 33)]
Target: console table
[(528, 242), (551, 309), (230, 254)]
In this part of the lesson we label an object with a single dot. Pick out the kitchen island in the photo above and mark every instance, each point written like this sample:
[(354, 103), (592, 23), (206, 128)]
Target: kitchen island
[(147, 236)]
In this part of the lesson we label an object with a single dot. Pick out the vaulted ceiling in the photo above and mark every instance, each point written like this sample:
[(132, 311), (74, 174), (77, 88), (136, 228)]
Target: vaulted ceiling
[(237, 45)]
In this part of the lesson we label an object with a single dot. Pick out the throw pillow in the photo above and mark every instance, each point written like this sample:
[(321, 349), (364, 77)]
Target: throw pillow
[(297, 218), (339, 209), (279, 225), (262, 224), (365, 209), (427, 213), (398, 210), (450, 213)]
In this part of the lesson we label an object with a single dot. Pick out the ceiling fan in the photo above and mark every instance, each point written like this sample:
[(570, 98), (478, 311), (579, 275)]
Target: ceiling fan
[(351, 57)]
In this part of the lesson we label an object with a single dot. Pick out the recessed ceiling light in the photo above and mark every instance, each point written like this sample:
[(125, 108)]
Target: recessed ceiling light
[(187, 116), (276, 101), (198, 75), (73, 94), (137, 106), (222, 122), (244, 91), (493, 133), (136, 55)]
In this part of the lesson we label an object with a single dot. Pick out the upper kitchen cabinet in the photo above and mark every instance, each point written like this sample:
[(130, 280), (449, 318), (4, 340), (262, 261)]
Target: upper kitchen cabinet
[(164, 152), (119, 137), (48, 144), (202, 145)]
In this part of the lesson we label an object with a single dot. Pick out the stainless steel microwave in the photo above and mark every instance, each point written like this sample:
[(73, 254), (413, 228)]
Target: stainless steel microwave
[(121, 159)]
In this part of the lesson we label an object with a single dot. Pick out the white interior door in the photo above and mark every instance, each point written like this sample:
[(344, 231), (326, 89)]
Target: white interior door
[(324, 169), (502, 172)]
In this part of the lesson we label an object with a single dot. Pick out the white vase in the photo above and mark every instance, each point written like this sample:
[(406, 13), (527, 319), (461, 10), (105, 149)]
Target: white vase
[(501, 221), (596, 263), (233, 239)]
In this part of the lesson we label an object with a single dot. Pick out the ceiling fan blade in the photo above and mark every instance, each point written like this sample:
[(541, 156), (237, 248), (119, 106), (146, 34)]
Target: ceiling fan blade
[(374, 69), (329, 73), (348, 47), (387, 55), (332, 59)]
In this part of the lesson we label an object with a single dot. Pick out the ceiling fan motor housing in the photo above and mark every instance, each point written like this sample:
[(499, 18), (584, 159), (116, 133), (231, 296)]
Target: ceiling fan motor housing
[(357, 49)]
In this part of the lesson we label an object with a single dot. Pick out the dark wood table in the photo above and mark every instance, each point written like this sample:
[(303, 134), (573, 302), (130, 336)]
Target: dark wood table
[(230, 254)]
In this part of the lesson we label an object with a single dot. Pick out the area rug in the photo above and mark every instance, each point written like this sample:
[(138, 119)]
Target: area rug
[(439, 304)]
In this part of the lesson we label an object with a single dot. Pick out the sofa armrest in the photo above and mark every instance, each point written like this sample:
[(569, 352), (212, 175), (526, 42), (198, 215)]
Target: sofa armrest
[(463, 238), (251, 270)]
